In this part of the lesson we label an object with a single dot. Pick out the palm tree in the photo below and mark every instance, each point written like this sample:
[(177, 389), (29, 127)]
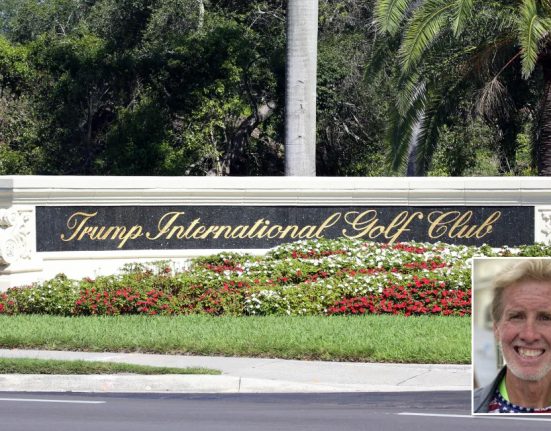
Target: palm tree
[(448, 47), (300, 92)]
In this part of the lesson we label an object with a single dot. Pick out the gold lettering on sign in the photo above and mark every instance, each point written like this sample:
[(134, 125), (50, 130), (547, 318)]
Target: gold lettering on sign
[(78, 224), (164, 226), (290, 230), (401, 222), (210, 229), (221, 230), (239, 232), (455, 224), (360, 222), (252, 232), (327, 223), (172, 225), (168, 227), (366, 225)]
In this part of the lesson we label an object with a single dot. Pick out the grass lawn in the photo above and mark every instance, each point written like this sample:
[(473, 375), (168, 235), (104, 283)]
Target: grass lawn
[(43, 366), (383, 338)]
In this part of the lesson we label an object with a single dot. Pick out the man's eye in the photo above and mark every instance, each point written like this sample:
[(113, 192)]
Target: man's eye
[(545, 317), (515, 316)]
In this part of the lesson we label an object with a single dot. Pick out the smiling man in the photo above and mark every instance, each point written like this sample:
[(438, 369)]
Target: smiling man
[(521, 312)]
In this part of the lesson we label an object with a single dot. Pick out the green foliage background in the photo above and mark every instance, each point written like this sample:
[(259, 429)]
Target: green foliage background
[(196, 87)]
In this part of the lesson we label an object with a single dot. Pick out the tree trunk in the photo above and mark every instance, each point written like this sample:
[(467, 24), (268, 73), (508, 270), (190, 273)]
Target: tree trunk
[(300, 91), (201, 14), (543, 152), (508, 144), (238, 142)]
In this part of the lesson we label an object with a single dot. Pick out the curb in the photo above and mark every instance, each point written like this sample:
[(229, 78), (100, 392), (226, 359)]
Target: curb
[(109, 383), (239, 375), (184, 384)]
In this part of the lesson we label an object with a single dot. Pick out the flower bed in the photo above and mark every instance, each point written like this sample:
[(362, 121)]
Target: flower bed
[(325, 277)]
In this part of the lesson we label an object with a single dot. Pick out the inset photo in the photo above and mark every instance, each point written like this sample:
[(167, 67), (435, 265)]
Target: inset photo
[(511, 335)]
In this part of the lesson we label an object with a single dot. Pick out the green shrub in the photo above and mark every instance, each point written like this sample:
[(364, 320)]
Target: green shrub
[(302, 278), (56, 296)]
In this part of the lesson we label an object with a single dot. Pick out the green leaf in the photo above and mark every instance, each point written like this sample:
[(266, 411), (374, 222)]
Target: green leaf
[(423, 29), (400, 132), (429, 130), (461, 14), (532, 29), (389, 14), (546, 6), (410, 88), (382, 55)]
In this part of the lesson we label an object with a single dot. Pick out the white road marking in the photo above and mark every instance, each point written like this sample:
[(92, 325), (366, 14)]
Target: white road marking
[(33, 400), (505, 416), (435, 414)]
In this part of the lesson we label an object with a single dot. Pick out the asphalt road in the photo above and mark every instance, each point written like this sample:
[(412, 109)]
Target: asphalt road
[(425, 411)]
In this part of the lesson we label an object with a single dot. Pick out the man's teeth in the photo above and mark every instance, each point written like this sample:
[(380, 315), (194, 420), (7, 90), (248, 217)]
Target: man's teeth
[(529, 352)]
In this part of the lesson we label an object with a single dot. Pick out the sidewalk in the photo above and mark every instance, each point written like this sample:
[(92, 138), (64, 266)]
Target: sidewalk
[(240, 375)]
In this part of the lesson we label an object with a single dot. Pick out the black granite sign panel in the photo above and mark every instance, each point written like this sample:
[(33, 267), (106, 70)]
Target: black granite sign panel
[(98, 228)]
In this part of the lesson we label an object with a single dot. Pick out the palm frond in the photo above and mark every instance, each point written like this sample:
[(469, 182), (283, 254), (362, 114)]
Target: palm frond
[(422, 30), (383, 51), (421, 154), (441, 99), (461, 14), (494, 100), (389, 14), (532, 28), (410, 88), (427, 136), (400, 132), (546, 6)]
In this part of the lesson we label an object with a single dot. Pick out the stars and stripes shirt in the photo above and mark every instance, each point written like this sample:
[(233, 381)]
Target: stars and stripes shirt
[(501, 405)]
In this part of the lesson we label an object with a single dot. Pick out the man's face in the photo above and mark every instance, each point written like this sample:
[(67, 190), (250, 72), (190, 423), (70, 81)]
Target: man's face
[(524, 329)]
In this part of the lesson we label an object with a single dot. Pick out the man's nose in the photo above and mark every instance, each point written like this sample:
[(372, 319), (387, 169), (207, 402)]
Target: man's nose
[(529, 332)]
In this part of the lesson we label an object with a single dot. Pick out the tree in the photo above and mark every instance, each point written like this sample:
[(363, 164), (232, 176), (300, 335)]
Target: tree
[(25, 20), (449, 50), (351, 111), (146, 87), (17, 123), (300, 90), (179, 87)]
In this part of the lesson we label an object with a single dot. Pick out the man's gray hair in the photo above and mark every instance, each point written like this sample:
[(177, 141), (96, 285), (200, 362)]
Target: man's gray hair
[(526, 270)]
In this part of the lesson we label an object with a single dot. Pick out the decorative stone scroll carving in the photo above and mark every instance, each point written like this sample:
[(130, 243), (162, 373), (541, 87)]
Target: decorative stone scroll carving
[(15, 236), (543, 225)]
